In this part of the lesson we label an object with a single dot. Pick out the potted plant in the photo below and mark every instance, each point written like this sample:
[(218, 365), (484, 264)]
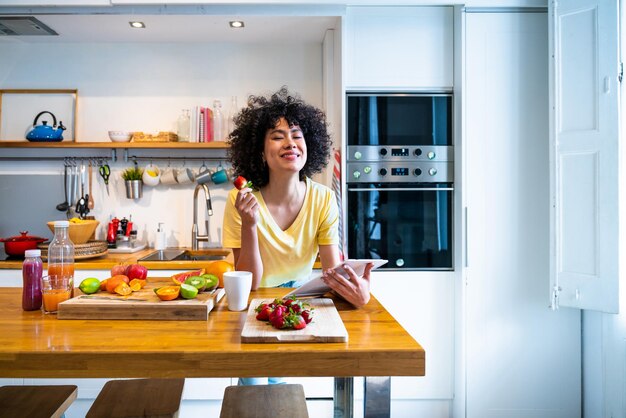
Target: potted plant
[(134, 184)]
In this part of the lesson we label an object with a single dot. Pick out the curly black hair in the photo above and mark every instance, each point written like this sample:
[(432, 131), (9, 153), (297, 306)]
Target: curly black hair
[(247, 140)]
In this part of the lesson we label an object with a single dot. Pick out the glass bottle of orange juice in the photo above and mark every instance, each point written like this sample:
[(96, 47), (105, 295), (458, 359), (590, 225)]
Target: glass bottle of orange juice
[(61, 253)]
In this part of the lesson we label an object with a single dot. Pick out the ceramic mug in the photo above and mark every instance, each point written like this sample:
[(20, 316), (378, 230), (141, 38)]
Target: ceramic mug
[(151, 175), (185, 176), (169, 176), (220, 176), (237, 285), (204, 176)]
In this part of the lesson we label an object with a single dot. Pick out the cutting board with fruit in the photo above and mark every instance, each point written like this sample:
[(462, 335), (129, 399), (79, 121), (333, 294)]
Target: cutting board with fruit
[(325, 325), (141, 304)]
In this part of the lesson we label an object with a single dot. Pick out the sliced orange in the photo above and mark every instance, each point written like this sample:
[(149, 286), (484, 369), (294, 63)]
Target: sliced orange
[(137, 284), (123, 289), (167, 292)]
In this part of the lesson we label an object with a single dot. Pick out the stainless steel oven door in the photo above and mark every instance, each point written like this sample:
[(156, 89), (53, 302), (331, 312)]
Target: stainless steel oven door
[(409, 226)]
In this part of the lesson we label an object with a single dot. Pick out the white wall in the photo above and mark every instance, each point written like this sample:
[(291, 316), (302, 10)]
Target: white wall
[(143, 87)]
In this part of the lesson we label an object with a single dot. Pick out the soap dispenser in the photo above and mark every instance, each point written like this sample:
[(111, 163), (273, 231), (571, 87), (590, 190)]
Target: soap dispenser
[(159, 243)]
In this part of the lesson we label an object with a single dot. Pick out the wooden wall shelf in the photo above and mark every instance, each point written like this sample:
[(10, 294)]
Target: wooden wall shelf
[(116, 145)]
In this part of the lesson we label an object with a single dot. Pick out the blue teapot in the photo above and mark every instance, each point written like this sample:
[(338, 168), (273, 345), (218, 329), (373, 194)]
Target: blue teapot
[(44, 132)]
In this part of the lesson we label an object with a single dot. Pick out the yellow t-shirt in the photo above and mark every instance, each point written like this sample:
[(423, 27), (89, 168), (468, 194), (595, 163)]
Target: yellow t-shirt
[(288, 255)]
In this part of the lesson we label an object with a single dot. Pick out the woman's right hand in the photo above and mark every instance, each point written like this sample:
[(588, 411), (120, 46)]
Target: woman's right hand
[(247, 206)]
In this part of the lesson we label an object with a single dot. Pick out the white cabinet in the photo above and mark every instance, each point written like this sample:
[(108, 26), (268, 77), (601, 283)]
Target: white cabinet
[(399, 48), (521, 358)]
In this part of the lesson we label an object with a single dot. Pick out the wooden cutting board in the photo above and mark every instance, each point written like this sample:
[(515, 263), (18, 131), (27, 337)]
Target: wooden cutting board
[(326, 327), (143, 304)]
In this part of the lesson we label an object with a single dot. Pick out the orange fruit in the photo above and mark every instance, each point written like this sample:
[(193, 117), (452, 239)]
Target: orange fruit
[(181, 277), (137, 284), (123, 289), (114, 281), (218, 268), (167, 292), (103, 284)]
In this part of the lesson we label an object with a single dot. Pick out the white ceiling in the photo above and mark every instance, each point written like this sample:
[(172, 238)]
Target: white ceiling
[(181, 28)]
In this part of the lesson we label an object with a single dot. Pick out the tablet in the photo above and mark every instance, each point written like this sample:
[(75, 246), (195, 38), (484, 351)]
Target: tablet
[(316, 287)]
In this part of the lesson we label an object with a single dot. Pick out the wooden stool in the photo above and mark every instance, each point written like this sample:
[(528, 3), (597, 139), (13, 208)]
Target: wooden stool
[(264, 401), (138, 398), (36, 401)]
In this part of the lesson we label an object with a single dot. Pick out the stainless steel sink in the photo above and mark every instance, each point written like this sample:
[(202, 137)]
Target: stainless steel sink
[(185, 255)]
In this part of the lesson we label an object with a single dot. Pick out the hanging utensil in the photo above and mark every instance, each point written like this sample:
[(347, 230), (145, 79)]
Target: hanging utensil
[(63, 207), (70, 191), (77, 184), (105, 172), (81, 204), (90, 202)]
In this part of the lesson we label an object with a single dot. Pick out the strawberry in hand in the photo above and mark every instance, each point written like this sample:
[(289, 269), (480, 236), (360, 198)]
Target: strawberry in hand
[(241, 183)]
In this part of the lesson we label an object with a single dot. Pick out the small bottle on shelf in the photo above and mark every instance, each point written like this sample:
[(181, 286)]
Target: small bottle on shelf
[(218, 121), (32, 270), (183, 126)]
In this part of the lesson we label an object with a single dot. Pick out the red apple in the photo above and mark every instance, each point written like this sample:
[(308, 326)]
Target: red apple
[(137, 271), (119, 269)]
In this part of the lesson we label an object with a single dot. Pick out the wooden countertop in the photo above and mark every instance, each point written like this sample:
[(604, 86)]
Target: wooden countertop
[(35, 345), (107, 261)]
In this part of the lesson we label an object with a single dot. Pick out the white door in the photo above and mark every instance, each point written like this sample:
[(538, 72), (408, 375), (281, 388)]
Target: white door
[(584, 151)]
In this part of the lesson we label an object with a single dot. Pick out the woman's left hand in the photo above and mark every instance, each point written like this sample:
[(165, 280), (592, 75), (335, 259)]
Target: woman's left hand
[(355, 289)]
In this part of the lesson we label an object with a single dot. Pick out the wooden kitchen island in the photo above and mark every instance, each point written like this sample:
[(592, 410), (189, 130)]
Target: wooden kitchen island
[(34, 345)]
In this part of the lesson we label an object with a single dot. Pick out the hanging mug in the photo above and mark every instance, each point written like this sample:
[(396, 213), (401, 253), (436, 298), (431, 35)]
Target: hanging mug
[(220, 176), (151, 175), (185, 176)]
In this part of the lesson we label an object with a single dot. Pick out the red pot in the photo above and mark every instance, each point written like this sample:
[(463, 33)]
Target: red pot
[(17, 245)]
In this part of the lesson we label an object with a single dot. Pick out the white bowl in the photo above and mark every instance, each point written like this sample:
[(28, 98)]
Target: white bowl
[(120, 136)]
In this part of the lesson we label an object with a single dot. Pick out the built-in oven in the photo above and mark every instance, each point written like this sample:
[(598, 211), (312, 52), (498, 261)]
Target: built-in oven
[(400, 180)]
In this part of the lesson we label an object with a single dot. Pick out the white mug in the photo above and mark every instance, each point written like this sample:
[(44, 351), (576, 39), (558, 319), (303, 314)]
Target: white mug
[(151, 179), (168, 176), (185, 176), (237, 285)]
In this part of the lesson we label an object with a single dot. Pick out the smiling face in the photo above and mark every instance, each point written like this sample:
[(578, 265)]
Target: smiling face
[(285, 148)]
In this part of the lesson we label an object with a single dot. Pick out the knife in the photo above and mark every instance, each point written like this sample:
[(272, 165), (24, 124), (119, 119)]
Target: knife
[(111, 298)]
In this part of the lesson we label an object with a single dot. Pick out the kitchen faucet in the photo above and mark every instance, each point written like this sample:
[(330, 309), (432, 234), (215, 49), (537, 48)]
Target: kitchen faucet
[(195, 238)]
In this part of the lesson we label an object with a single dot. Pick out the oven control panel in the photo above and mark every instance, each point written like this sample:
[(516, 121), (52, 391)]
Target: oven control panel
[(400, 172), (399, 153)]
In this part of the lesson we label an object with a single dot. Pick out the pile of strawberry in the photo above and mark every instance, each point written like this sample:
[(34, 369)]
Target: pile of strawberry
[(288, 313)]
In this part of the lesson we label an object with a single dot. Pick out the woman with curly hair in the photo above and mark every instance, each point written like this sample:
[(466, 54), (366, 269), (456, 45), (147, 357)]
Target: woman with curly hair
[(277, 229)]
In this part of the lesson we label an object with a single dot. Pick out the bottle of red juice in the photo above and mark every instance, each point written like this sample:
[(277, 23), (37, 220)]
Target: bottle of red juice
[(32, 270)]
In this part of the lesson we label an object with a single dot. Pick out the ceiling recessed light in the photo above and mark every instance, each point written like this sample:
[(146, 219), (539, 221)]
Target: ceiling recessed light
[(236, 24), (139, 25)]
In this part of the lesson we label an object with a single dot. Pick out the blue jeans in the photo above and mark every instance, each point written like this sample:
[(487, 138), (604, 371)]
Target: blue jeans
[(288, 284), (246, 381)]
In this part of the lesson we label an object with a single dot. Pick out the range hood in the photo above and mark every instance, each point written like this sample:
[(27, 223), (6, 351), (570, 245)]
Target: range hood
[(24, 26)]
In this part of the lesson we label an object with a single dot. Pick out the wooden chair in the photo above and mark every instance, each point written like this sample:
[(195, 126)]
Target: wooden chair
[(36, 401), (264, 401), (138, 398)]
